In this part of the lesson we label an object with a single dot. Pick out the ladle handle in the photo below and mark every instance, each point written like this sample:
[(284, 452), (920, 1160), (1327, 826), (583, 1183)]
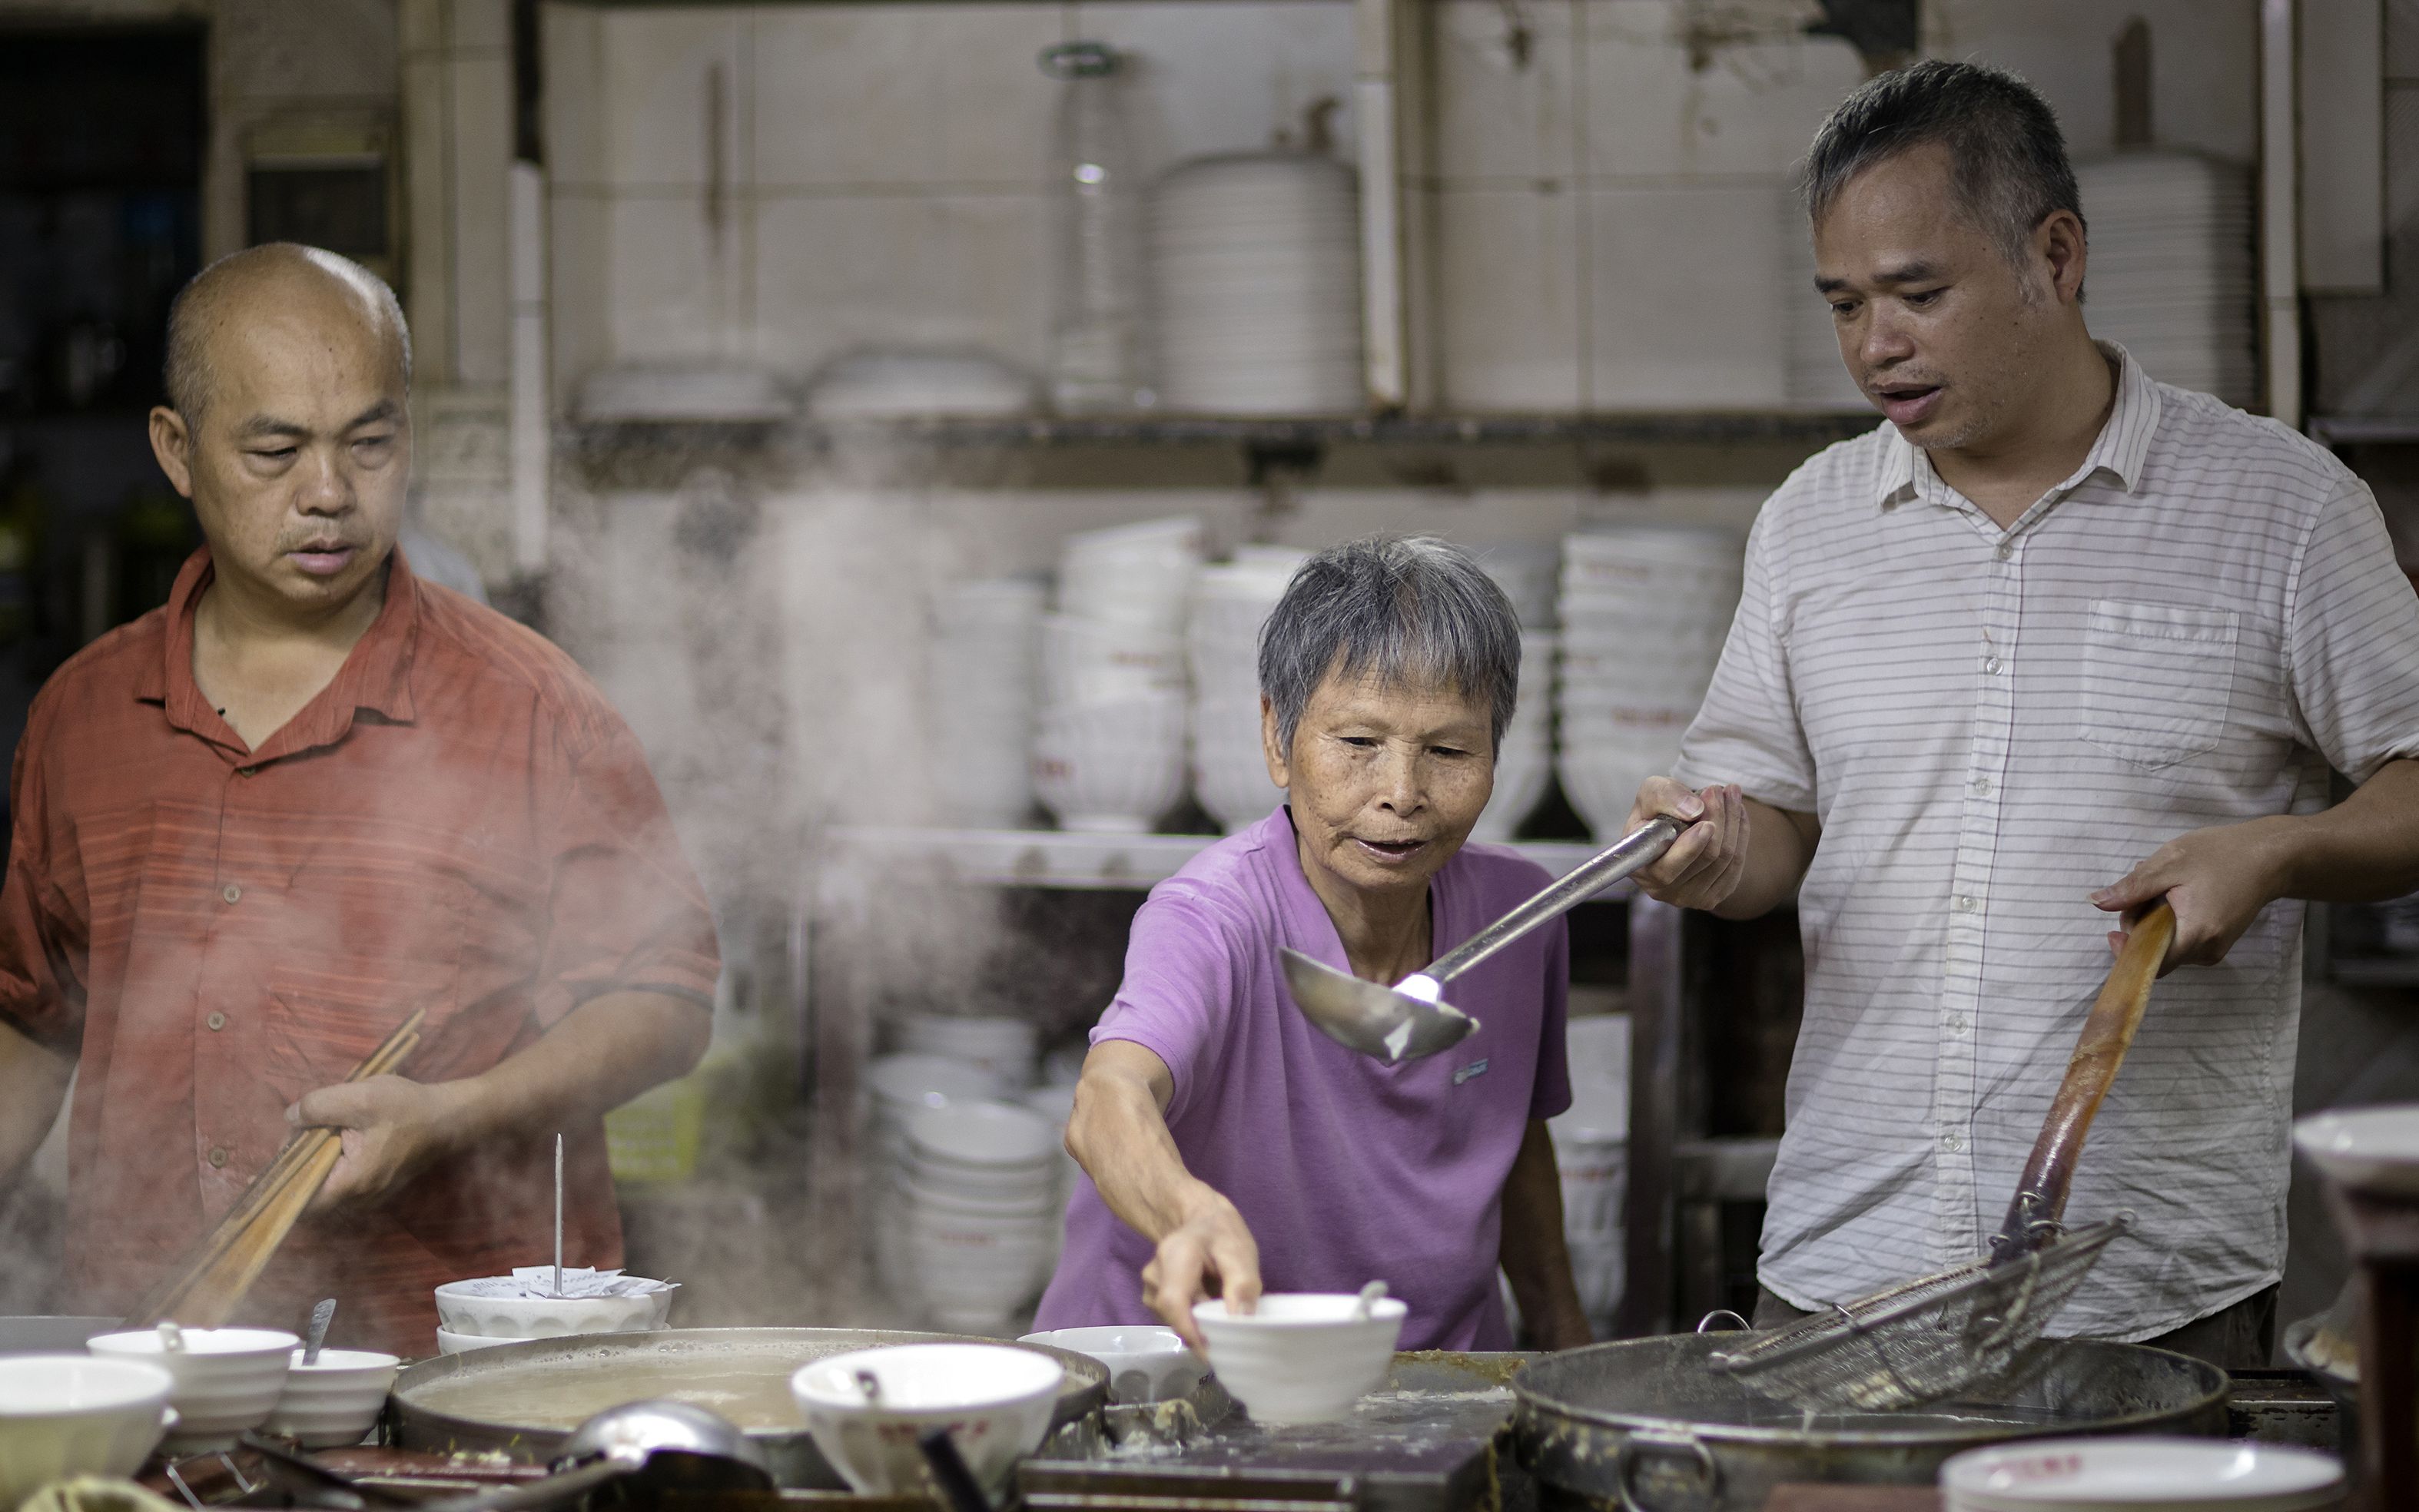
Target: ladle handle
[(1641, 847), (559, 1490), (2107, 1034)]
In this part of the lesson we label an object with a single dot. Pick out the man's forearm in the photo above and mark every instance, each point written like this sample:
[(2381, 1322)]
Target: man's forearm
[(601, 1055), (1781, 845), (2363, 849), (33, 1082), (1536, 1258)]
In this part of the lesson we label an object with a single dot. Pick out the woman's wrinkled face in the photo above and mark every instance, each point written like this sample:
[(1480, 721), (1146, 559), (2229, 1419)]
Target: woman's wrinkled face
[(1385, 780)]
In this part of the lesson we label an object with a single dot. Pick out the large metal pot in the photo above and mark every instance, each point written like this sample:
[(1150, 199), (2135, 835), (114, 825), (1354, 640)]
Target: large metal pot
[(1648, 1424), (522, 1399)]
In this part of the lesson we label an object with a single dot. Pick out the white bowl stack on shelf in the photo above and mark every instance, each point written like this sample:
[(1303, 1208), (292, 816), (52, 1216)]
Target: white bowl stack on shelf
[(2171, 275), (1524, 762), (1644, 610), (1230, 603), (1055, 1101), (1592, 1151), (2142, 1475), (997, 1043), (979, 1215), (985, 672), (1108, 754), (899, 1087), (1256, 261)]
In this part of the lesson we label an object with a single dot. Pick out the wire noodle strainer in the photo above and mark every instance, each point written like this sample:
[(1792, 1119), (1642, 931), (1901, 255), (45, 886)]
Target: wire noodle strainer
[(1934, 1338)]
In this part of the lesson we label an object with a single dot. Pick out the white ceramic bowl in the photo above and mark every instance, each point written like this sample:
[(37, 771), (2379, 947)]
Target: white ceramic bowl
[(228, 1379), (2143, 1475), (996, 1042), (995, 1400), (335, 1400), (449, 1342), (1300, 1357), (72, 1414), (1102, 661), (1146, 1363), (459, 1310), (1110, 767), (982, 1136), (2368, 1149)]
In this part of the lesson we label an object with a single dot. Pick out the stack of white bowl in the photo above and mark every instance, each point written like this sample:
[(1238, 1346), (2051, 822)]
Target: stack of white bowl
[(899, 1087), (1109, 751), (226, 1379), (1524, 762), (1230, 603), (1256, 261), (1592, 1152), (1644, 610), (979, 1213), (485, 1311), (986, 645), (997, 1043), (64, 1415), (2172, 277), (2143, 1474), (1055, 1101)]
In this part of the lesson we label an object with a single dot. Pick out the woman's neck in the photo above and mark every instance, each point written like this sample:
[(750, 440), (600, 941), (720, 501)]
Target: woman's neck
[(1386, 935)]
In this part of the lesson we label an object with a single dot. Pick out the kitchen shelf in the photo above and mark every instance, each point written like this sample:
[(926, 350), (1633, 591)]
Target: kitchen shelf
[(1072, 859), (2375, 971), (2365, 430)]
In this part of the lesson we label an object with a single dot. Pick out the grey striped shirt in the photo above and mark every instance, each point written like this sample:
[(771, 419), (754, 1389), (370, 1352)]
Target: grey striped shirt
[(2187, 632)]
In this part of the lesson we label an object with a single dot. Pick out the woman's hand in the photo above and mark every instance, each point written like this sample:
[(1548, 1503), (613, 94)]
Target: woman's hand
[(1210, 1254)]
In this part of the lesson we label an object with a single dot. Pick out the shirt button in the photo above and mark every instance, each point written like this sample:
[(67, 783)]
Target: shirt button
[(231, 892), (1952, 1142), (1982, 787), (1956, 1023), (245, 771), (1967, 904), (218, 1156), (216, 1021), (1991, 665), (2007, 550)]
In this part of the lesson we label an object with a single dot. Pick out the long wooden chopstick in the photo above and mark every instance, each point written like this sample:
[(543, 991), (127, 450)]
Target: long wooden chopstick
[(204, 1288)]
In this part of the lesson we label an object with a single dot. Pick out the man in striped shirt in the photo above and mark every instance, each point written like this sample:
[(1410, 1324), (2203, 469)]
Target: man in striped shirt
[(2057, 640)]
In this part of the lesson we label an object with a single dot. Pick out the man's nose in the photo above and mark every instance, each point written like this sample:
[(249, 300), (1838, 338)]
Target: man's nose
[(1884, 340), (326, 486)]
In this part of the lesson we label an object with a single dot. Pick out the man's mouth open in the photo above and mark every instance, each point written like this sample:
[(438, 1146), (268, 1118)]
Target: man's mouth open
[(323, 559), (1908, 404)]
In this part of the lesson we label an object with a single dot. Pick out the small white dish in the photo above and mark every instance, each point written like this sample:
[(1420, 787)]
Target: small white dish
[(228, 1379), (982, 1136), (2145, 1475), (996, 1400), (335, 1400), (449, 1342), (1303, 1356), (2367, 1150), (460, 1310), (72, 1414), (1146, 1363)]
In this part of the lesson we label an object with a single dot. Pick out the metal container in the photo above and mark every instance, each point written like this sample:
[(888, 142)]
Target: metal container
[(474, 1401), (1649, 1426)]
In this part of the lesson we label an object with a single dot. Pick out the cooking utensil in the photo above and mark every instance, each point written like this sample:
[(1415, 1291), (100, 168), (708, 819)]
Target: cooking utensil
[(557, 1215), (1369, 1295), (1410, 1019), (322, 1316), (1645, 1425), (959, 1489), (659, 1446), (1933, 1337), (206, 1285), (307, 1483)]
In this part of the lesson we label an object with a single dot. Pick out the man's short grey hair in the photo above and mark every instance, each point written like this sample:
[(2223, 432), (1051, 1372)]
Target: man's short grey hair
[(2006, 157), (1409, 611), (186, 373)]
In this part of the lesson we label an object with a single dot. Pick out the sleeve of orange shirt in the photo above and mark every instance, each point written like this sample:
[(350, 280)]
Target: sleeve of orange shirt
[(627, 913), (41, 995)]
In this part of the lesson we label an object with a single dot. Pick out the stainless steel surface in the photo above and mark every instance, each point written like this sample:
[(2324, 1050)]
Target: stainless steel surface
[(46, 1334), (605, 1358), (656, 1446), (1411, 1019), (1648, 1424), (315, 1338)]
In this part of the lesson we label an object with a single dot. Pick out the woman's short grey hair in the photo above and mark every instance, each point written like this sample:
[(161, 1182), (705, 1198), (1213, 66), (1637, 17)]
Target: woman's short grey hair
[(1410, 611)]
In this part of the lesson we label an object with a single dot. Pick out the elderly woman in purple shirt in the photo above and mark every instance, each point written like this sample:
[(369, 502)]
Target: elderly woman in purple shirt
[(1229, 1148)]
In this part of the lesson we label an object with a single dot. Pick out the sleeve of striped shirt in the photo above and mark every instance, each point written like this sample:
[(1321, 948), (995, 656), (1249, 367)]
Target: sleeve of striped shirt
[(2352, 640), (1747, 731)]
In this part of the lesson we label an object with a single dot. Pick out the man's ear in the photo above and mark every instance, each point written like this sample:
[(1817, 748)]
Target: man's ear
[(172, 445), (2058, 242)]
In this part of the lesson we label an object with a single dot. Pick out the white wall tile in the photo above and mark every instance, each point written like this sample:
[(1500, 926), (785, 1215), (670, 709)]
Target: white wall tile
[(902, 94), (1752, 109), (571, 45), (672, 294), (1225, 76), (840, 270), (656, 66), (482, 157), (579, 271), (1507, 306), (1499, 116), (1685, 285), (2204, 64)]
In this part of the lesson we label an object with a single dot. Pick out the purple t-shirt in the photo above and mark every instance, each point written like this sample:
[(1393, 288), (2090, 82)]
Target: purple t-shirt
[(1348, 1170)]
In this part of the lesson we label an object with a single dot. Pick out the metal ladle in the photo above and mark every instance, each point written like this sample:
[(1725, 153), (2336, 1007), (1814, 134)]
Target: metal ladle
[(669, 1445), (1411, 1019)]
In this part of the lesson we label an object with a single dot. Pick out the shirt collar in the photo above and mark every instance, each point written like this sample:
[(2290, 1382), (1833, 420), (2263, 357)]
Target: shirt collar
[(2122, 445), (375, 676)]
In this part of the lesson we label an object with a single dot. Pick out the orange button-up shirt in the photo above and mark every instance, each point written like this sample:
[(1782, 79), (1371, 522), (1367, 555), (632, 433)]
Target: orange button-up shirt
[(459, 822)]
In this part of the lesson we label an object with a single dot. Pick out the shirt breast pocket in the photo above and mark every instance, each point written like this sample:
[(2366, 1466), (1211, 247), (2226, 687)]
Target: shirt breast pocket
[(2158, 680)]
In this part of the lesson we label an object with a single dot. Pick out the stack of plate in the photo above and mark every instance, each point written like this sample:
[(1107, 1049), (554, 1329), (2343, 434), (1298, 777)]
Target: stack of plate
[(1230, 603), (1592, 1152), (1108, 753), (2170, 275), (902, 385), (1645, 608), (979, 1200), (1525, 760), (1055, 1101), (899, 1087), (2147, 1475), (996, 1042), (986, 639), (1256, 261)]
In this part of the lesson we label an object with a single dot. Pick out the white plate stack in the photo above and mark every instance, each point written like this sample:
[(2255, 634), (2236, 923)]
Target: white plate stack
[(996, 1042), (1230, 603), (2170, 276), (2141, 1475), (1055, 1101), (1525, 760), (898, 1086), (1108, 753), (1592, 1152), (1645, 608), (1256, 260), (986, 642), (979, 1219)]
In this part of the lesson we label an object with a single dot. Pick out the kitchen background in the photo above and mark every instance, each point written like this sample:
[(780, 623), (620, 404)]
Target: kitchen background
[(747, 369)]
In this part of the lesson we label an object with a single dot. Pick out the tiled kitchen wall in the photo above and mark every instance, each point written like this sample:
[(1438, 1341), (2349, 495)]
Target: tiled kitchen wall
[(771, 185)]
